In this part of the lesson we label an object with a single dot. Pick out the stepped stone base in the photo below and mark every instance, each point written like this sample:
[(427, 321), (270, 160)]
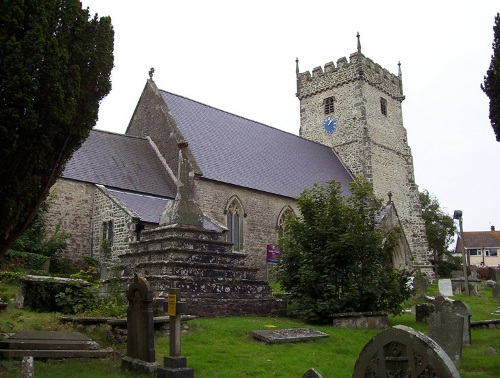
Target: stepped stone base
[(212, 278)]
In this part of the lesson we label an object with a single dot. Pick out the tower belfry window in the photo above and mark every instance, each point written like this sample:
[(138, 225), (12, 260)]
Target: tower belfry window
[(328, 104), (383, 106)]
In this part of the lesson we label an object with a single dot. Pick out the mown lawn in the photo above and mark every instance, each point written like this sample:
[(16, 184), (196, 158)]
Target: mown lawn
[(222, 347)]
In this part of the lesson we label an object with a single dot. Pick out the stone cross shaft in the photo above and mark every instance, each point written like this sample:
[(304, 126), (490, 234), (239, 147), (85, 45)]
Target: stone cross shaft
[(175, 310)]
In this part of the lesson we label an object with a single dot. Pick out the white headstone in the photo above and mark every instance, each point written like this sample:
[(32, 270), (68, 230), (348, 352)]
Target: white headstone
[(445, 288)]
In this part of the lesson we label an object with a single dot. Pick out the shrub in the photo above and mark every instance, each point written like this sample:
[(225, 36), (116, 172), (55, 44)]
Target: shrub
[(16, 261), (336, 257), (68, 297)]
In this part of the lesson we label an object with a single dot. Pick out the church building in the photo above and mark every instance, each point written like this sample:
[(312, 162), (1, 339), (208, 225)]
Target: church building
[(247, 175)]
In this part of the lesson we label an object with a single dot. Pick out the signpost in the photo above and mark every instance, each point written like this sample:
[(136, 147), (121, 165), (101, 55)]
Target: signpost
[(273, 256)]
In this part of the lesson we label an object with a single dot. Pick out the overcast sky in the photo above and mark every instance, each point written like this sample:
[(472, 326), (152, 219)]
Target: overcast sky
[(239, 56)]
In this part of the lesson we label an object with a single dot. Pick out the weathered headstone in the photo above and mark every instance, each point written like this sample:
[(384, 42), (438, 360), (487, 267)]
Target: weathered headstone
[(420, 283), (140, 325), (445, 287), (473, 271), (312, 373), (401, 351), (446, 328), (175, 365), (496, 290), (423, 311), (463, 309)]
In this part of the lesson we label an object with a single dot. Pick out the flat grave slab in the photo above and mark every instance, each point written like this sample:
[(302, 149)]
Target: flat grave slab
[(291, 335)]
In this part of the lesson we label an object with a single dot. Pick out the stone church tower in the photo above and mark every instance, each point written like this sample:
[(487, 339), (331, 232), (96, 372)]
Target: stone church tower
[(355, 107)]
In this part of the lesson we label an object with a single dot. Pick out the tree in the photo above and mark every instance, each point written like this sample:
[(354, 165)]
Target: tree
[(55, 67), (491, 85), (336, 257), (440, 227)]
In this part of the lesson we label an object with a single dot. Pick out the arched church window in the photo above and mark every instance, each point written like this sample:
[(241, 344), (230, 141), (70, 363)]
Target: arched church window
[(285, 212), (234, 223), (108, 232), (328, 104)]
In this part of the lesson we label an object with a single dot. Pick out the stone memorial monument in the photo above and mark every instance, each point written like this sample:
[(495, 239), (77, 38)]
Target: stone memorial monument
[(140, 342), (190, 252), (445, 287), (463, 309), (401, 351), (446, 327)]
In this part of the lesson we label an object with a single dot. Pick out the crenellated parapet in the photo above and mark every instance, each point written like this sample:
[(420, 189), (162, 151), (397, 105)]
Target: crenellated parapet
[(358, 68)]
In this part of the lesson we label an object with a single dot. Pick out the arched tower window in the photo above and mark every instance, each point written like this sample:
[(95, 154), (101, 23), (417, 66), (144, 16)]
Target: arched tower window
[(234, 223)]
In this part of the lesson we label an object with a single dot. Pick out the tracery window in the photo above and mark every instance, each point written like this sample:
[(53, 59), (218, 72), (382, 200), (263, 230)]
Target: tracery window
[(280, 226), (234, 223)]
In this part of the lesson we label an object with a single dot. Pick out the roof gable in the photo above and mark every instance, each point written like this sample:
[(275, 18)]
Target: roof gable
[(482, 239), (239, 151), (120, 161)]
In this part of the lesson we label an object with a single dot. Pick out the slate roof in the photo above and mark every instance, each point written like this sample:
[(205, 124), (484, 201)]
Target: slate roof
[(120, 161), (239, 151), (480, 239), (148, 208)]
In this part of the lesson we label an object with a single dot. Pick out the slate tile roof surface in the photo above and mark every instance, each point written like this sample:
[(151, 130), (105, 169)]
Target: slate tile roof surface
[(480, 239), (122, 162), (239, 151), (148, 208)]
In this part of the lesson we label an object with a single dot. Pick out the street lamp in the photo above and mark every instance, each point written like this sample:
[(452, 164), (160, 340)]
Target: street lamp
[(457, 214)]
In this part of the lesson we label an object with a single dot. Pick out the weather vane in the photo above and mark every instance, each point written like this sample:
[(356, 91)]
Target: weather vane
[(151, 72)]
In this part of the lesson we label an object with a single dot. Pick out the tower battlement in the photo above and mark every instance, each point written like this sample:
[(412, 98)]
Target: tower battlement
[(358, 67)]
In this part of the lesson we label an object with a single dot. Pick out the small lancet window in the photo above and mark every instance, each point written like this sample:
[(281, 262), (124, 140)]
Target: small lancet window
[(383, 106), (328, 104)]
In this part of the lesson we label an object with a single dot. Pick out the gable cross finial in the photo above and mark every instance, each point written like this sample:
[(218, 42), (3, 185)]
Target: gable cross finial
[(359, 43), (390, 196), (151, 72)]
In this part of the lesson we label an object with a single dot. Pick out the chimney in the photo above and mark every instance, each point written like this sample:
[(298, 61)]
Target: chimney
[(492, 228)]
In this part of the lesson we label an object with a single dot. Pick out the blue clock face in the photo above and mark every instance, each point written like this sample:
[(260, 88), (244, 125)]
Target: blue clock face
[(330, 124)]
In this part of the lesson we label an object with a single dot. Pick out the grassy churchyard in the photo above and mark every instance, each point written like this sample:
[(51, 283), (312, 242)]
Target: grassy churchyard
[(222, 347)]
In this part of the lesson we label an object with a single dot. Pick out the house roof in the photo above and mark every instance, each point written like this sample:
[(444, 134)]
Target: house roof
[(480, 239), (120, 161), (239, 151)]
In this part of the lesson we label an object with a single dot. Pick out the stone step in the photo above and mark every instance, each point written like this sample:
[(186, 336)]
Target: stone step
[(194, 270), (41, 353), (50, 344)]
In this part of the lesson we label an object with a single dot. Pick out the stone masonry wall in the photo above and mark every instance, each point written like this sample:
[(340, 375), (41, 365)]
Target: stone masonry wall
[(71, 210), (260, 223), (107, 209)]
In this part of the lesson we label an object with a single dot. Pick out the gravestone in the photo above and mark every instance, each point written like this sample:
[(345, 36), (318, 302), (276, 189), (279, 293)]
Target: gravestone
[(312, 373), (420, 283), (140, 342), (446, 328), (496, 290), (445, 287), (401, 351), (175, 365), (473, 271), (463, 309), (423, 311)]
